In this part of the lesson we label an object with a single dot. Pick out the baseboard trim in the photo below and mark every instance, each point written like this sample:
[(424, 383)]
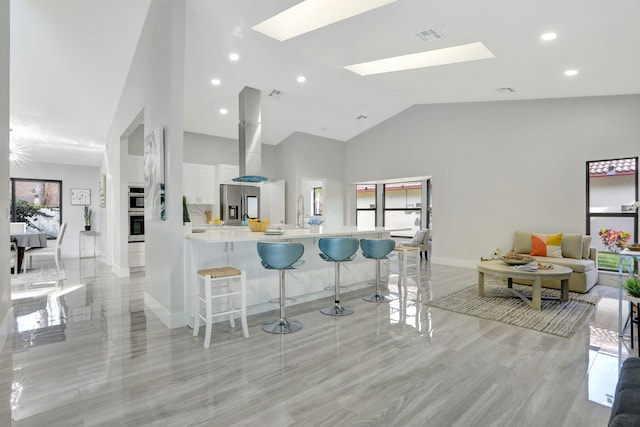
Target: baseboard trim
[(120, 271), (455, 262), (6, 327), (171, 320)]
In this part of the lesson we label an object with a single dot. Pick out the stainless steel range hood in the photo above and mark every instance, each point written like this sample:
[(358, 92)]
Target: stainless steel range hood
[(250, 137)]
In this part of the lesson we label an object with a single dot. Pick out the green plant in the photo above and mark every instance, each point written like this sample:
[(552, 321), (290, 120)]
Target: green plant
[(632, 285), (27, 212), (88, 215), (185, 211)]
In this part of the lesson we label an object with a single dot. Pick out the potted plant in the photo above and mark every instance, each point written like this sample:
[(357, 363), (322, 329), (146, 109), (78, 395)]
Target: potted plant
[(186, 219), (632, 286), (88, 217)]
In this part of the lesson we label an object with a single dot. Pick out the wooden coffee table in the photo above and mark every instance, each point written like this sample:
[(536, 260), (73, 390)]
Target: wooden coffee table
[(500, 269)]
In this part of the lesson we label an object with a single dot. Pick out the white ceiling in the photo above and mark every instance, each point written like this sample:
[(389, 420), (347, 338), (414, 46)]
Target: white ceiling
[(69, 61)]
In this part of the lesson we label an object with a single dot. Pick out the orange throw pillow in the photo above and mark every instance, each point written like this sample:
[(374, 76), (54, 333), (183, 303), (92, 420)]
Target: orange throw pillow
[(546, 245)]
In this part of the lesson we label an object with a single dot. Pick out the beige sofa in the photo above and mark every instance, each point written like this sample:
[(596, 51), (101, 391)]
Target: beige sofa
[(577, 254)]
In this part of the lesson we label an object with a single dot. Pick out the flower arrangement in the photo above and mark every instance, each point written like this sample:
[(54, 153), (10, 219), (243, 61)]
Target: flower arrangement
[(614, 240), (316, 220)]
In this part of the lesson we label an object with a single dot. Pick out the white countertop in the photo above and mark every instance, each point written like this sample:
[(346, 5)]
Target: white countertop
[(238, 234)]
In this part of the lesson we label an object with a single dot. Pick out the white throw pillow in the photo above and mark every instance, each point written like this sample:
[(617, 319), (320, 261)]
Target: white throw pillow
[(419, 237)]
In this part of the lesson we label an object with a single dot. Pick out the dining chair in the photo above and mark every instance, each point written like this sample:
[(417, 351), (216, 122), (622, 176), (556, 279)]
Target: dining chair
[(13, 258), (17, 227), (55, 251)]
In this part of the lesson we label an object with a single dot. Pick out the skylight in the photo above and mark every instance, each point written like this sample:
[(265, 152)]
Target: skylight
[(431, 58), (310, 15)]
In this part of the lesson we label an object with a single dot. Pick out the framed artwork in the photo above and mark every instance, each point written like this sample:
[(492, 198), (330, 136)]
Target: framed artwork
[(154, 176), (102, 188), (80, 196)]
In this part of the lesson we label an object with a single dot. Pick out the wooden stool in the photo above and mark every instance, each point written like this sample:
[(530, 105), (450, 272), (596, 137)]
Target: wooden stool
[(220, 278), (408, 259)]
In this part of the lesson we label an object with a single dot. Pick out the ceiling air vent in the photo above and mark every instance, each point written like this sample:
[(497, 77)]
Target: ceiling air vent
[(276, 93), (505, 90), (429, 34)]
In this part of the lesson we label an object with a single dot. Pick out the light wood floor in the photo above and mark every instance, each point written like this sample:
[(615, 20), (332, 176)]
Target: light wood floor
[(93, 356)]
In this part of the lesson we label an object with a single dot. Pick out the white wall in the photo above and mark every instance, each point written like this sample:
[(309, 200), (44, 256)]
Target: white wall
[(154, 86), (135, 145), (6, 320), (72, 177), (215, 150), (497, 166), (307, 156)]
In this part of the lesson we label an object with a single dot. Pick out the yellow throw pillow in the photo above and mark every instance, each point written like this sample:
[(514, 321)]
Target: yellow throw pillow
[(549, 245)]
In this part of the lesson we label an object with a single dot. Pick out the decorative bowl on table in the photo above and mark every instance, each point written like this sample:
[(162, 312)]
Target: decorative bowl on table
[(216, 222), (258, 225), (517, 259), (634, 247)]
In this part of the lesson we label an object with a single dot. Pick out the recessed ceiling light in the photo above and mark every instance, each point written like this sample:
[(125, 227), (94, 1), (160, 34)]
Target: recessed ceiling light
[(449, 55), (301, 79), (310, 15), (223, 111), (234, 56), (215, 82), (548, 36), (570, 73)]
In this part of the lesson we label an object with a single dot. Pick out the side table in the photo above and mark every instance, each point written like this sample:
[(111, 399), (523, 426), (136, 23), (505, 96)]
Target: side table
[(92, 234), (630, 257)]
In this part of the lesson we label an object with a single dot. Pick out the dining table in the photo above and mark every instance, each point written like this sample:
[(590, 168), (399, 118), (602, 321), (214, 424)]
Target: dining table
[(29, 239)]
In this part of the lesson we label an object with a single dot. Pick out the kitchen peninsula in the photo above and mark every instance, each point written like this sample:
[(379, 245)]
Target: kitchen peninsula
[(236, 246)]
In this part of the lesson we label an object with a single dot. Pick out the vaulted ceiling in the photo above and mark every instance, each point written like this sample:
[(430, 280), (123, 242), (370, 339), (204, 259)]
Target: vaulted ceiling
[(69, 61)]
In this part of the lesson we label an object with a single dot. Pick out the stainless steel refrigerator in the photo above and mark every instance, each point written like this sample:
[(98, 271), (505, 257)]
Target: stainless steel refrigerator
[(239, 202)]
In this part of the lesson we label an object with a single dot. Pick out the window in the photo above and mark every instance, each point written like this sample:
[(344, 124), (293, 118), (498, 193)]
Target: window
[(366, 205), (403, 207), (612, 187), (318, 201), (38, 202)]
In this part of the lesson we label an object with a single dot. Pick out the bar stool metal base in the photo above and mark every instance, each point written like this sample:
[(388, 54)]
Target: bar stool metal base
[(287, 301), (332, 287), (336, 309), (377, 297), (282, 326)]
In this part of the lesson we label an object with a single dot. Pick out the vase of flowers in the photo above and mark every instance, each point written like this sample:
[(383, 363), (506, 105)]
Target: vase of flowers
[(614, 240), (314, 223)]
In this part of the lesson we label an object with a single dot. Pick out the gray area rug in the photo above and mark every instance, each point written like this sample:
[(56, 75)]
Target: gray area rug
[(556, 318)]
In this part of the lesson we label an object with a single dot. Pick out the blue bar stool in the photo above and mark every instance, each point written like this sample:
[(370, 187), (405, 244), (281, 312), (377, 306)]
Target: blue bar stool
[(337, 250), (377, 249), (283, 257)]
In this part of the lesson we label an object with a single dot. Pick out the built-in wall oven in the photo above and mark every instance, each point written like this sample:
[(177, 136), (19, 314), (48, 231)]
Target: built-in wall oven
[(136, 214), (136, 198)]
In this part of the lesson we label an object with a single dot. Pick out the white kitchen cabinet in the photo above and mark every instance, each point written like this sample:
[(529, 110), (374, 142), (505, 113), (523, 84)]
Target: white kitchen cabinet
[(199, 183), (226, 173), (136, 254), (272, 201), (136, 170)]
